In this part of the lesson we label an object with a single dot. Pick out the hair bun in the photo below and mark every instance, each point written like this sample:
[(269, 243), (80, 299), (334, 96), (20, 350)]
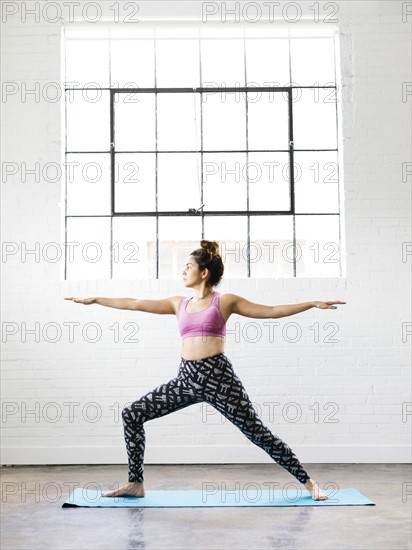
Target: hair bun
[(211, 247)]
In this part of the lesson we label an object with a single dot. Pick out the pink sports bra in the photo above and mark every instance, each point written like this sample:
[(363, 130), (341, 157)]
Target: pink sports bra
[(208, 322)]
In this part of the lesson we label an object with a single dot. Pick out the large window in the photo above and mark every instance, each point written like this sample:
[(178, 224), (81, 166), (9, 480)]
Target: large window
[(178, 133)]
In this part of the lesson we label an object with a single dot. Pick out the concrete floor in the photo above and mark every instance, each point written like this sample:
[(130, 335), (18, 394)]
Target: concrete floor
[(33, 518)]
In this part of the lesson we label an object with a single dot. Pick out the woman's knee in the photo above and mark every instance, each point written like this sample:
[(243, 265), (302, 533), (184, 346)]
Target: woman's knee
[(131, 413)]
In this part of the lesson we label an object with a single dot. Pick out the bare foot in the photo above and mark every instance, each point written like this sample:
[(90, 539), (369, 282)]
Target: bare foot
[(316, 493), (131, 489)]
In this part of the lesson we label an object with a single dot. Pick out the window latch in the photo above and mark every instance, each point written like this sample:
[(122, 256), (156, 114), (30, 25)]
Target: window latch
[(194, 209)]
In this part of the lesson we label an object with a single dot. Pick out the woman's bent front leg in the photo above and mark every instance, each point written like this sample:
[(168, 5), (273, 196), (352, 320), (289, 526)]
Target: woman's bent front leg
[(165, 399)]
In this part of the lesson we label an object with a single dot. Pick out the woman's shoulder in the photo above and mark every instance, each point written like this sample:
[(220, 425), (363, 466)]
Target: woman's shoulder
[(228, 296), (178, 301), (228, 299)]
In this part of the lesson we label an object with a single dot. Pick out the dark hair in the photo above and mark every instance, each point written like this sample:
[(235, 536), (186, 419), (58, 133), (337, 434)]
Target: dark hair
[(208, 256)]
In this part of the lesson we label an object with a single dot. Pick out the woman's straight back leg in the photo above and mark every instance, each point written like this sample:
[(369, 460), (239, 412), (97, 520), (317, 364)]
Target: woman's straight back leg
[(227, 394)]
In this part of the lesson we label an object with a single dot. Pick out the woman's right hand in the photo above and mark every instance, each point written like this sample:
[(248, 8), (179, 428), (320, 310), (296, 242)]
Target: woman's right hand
[(85, 301)]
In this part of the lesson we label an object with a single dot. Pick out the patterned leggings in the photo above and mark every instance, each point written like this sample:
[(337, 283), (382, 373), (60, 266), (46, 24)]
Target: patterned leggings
[(213, 380)]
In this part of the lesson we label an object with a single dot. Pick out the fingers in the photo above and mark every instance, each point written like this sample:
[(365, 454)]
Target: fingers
[(329, 305)]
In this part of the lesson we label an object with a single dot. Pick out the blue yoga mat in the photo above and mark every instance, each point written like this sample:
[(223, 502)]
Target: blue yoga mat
[(92, 498)]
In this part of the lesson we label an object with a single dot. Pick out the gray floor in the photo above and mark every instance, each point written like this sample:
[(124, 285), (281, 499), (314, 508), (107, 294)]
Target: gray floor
[(32, 517)]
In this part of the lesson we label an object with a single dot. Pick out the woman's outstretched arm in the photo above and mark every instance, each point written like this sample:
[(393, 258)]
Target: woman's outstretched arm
[(166, 306), (292, 309), (118, 303), (241, 306)]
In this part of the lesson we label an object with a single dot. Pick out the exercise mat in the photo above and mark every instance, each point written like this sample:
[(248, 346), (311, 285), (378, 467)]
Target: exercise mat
[(92, 498)]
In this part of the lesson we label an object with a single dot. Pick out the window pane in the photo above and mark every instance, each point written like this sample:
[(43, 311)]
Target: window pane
[(134, 248), (135, 182), (224, 121), (314, 119), (316, 182), (222, 63), (313, 61), (231, 234), (224, 181), (178, 237), (88, 184), (177, 63), (178, 121), (268, 126), (318, 243), (134, 122), (89, 256), (259, 71), (132, 61), (271, 241), (178, 181), (88, 120), (87, 61), (269, 181)]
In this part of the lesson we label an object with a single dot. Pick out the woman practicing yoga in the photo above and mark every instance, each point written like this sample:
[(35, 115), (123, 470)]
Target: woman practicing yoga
[(205, 373)]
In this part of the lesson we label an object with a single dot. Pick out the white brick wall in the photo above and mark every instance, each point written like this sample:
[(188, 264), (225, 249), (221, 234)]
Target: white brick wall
[(363, 380)]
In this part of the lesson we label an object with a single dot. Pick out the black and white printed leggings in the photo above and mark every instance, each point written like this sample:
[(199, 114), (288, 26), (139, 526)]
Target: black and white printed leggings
[(211, 380)]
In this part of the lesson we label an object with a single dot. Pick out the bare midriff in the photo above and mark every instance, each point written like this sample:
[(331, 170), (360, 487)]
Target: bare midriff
[(200, 347)]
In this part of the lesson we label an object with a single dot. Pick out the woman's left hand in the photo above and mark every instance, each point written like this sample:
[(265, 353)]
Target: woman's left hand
[(327, 305)]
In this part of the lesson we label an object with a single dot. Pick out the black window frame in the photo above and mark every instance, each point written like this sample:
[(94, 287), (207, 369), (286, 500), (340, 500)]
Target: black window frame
[(200, 211)]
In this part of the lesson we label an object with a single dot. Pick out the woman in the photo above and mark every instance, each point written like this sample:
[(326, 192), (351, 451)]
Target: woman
[(205, 373)]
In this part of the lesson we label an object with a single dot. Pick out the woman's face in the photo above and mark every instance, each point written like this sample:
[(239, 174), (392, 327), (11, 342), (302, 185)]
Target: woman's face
[(191, 274)]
